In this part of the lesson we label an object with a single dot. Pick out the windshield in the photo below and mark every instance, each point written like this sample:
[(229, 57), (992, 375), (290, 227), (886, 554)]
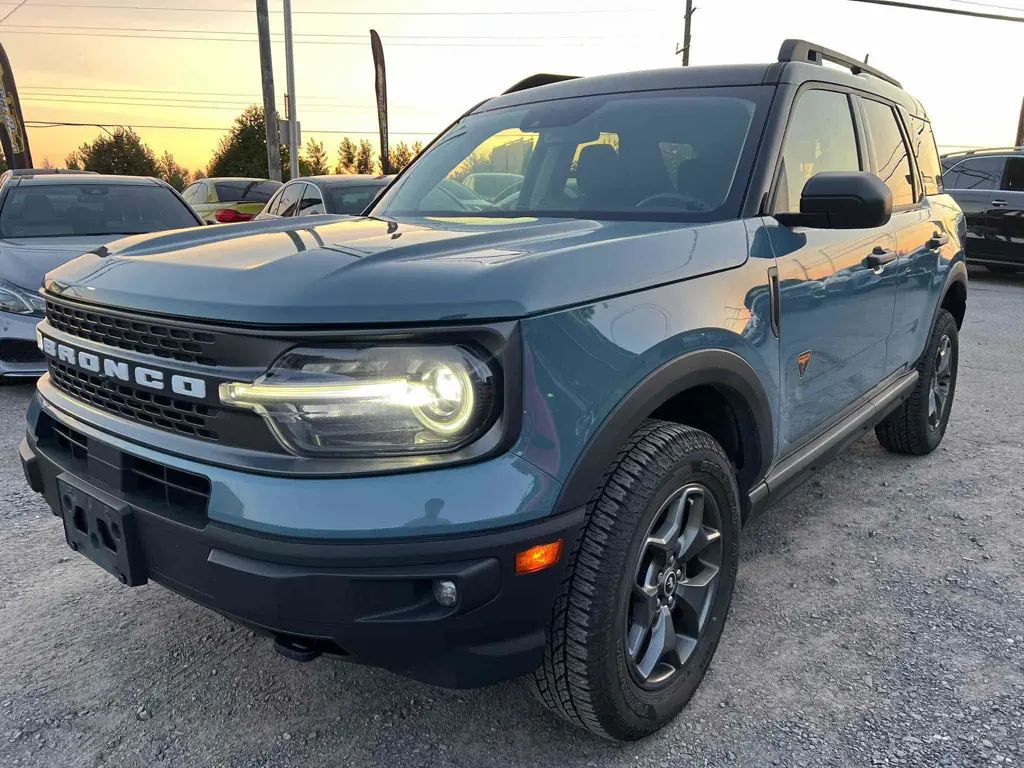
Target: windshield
[(40, 210), (681, 154)]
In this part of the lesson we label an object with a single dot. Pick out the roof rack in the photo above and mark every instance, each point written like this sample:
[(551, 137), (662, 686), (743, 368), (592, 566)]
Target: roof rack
[(967, 152), (801, 50), (535, 81)]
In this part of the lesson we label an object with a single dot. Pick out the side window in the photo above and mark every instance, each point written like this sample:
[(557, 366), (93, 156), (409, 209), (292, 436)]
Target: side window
[(977, 173), (189, 192), (271, 207), (291, 196), (1013, 176), (820, 138), (311, 201), (892, 163), (923, 143)]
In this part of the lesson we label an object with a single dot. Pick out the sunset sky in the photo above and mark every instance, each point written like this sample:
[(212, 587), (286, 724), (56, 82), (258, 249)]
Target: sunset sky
[(196, 64)]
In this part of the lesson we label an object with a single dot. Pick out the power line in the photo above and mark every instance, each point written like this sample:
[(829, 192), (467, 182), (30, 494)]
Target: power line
[(332, 36), (131, 101), (63, 124), (174, 9), (527, 43), (952, 11)]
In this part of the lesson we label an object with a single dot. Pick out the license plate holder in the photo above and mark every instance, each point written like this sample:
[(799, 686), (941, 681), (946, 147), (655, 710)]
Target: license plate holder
[(103, 528)]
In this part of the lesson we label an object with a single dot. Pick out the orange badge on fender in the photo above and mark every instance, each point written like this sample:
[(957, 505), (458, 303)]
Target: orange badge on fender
[(802, 360)]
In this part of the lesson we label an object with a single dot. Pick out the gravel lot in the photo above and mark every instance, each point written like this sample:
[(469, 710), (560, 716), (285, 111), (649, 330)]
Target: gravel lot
[(878, 619)]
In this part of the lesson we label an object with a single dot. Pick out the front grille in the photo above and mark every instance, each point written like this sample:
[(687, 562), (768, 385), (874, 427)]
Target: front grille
[(179, 490), (145, 337), (20, 351), (171, 414)]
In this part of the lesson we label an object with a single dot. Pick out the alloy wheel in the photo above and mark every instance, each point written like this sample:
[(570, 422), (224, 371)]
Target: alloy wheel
[(942, 380), (674, 586)]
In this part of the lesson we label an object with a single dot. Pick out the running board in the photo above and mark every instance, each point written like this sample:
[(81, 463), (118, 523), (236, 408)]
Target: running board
[(793, 470)]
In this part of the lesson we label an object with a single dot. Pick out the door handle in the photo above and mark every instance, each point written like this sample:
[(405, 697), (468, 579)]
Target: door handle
[(937, 241), (998, 203), (879, 258)]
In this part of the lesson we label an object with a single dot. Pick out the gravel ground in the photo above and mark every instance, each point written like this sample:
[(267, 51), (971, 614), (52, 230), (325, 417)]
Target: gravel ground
[(878, 620)]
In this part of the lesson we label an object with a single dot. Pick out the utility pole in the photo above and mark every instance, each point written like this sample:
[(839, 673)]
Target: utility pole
[(685, 50), (293, 122), (1020, 127), (269, 106)]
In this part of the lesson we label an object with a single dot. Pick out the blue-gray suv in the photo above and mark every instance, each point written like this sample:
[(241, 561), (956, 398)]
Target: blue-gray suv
[(469, 438)]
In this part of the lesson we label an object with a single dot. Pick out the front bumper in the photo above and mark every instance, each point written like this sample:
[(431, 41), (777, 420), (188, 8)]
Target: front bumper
[(369, 601), (22, 364)]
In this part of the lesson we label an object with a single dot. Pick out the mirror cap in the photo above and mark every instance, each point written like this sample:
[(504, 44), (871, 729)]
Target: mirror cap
[(842, 200)]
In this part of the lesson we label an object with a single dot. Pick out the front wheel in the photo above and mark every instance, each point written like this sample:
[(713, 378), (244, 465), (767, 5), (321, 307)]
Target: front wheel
[(644, 601), (918, 425)]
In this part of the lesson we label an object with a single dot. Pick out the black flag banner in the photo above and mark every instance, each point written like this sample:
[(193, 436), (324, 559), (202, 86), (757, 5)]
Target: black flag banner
[(12, 135), (380, 80)]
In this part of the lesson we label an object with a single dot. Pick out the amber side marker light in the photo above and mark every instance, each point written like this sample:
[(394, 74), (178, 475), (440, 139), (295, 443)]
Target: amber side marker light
[(538, 558)]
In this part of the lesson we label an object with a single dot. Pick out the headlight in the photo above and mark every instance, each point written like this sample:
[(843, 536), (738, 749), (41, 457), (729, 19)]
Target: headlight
[(19, 301), (380, 401)]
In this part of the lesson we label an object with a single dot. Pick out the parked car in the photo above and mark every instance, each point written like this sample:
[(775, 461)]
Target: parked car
[(229, 200), (341, 194), (988, 184), (472, 445), (48, 217)]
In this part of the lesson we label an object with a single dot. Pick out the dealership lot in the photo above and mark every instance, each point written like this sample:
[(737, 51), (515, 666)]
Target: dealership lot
[(878, 619)]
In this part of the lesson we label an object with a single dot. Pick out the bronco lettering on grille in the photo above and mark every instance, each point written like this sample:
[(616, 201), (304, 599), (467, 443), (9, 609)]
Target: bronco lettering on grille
[(186, 386)]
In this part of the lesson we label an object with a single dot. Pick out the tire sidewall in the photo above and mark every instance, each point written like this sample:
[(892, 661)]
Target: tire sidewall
[(648, 710), (945, 326)]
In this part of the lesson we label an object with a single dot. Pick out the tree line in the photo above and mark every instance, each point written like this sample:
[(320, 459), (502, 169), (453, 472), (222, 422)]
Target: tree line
[(240, 152)]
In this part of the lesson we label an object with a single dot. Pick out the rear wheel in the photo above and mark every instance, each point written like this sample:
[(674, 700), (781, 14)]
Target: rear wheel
[(648, 587), (918, 425)]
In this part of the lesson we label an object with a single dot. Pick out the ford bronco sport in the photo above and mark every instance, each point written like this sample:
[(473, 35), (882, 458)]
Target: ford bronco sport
[(467, 440)]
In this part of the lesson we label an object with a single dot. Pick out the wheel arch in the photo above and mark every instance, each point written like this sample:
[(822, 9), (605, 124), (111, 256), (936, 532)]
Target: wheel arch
[(712, 370), (954, 294)]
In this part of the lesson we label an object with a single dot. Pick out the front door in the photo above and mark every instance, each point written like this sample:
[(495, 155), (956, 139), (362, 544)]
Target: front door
[(835, 312), (972, 183)]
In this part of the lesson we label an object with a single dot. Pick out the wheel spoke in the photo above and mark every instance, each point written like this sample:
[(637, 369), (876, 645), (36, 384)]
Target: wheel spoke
[(933, 406), (642, 616), (692, 598), (663, 640), (666, 537)]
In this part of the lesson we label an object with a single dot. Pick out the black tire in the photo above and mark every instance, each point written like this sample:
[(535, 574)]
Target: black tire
[(913, 428), (588, 676)]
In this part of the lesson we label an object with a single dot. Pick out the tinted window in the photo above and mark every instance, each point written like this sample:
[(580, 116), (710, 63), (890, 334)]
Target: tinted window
[(275, 202), (352, 199), (245, 191), (591, 155), (892, 163), (976, 173), (311, 202), (923, 143), (820, 138), (91, 209), (289, 202), (1013, 176)]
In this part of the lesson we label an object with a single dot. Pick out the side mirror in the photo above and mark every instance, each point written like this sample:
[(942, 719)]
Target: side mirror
[(841, 200)]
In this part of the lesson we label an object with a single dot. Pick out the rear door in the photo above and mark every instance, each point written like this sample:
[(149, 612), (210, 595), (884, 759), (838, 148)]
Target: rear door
[(1006, 214), (918, 225), (836, 313), (972, 182)]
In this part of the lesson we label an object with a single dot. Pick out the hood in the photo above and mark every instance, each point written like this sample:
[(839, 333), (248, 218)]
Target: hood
[(24, 261), (372, 271)]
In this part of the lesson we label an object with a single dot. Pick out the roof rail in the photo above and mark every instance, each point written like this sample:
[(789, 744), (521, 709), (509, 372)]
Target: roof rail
[(801, 50), (535, 81), (967, 152), (41, 171)]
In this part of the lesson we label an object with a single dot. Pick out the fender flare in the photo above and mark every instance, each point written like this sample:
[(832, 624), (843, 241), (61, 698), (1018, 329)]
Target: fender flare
[(727, 370), (957, 274)]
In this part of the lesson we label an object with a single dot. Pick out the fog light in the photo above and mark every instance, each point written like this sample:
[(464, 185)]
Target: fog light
[(445, 593)]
